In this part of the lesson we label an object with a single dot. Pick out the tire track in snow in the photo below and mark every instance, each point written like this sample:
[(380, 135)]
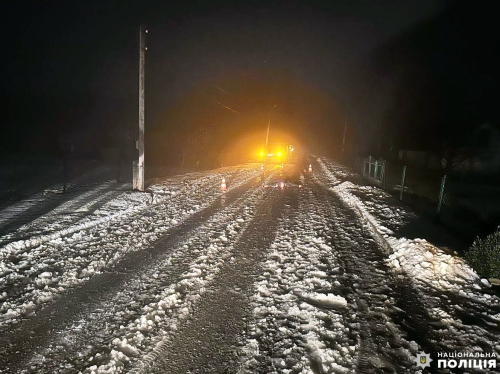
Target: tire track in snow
[(207, 342), (393, 319), (153, 302), (19, 343), (301, 323), (33, 278)]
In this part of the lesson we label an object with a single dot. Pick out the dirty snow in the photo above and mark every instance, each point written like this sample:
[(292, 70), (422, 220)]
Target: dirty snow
[(326, 300)]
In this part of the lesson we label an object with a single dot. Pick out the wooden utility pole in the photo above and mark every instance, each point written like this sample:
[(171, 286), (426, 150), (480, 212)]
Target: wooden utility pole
[(139, 176), (343, 140), (441, 194), (403, 177)]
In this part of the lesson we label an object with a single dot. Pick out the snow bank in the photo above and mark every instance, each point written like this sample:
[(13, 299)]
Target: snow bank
[(447, 285), (416, 257)]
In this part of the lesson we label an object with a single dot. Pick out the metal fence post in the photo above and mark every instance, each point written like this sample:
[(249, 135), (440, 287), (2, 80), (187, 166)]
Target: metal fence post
[(375, 170), (402, 183), (384, 169), (370, 166), (441, 193)]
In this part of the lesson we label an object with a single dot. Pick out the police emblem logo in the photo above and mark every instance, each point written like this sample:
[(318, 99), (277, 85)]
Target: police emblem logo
[(423, 360)]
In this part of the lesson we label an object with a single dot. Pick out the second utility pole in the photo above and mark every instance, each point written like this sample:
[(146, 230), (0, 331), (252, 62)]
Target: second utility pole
[(140, 140), (343, 139)]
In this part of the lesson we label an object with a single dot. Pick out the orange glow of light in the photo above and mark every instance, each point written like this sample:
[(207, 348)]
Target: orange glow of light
[(250, 148)]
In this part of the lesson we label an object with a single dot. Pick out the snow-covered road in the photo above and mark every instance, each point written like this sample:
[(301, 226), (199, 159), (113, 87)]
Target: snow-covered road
[(309, 278)]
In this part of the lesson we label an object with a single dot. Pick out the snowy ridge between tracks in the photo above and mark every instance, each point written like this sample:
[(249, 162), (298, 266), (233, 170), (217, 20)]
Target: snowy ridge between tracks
[(29, 279)]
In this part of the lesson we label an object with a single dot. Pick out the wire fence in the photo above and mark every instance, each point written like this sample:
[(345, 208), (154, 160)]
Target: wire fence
[(467, 203), (374, 169)]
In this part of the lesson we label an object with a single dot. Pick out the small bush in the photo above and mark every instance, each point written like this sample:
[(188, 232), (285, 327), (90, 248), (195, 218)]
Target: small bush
[(484, 255)]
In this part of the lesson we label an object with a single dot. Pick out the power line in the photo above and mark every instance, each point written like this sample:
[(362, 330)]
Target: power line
[(220, 89), (225, 106)]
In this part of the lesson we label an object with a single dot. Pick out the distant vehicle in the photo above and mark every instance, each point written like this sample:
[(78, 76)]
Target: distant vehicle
[(276, 153)]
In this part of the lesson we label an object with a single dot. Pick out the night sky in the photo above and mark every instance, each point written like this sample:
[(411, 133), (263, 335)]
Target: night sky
[(70, 72)]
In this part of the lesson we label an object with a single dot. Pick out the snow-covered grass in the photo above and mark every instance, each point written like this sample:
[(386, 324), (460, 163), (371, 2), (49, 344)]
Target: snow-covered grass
[(86, 180)]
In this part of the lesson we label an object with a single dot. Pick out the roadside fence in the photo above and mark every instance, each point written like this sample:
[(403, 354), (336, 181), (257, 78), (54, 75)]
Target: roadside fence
[(468, 202)]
